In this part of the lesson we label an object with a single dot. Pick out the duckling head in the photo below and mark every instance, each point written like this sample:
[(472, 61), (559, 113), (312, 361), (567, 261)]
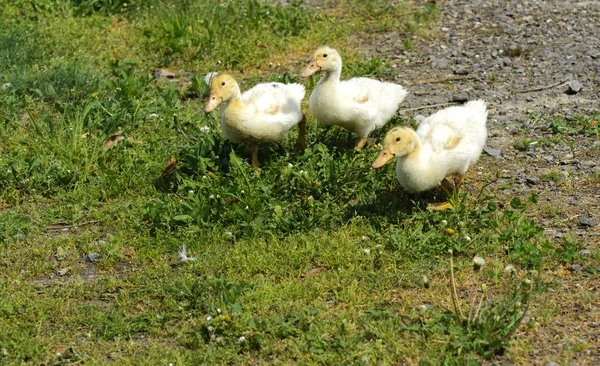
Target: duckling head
[(398, 142), (222, 88), (324, 59)]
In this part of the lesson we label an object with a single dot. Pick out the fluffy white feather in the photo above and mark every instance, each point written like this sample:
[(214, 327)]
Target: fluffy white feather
[(360, 105), (446, 143)]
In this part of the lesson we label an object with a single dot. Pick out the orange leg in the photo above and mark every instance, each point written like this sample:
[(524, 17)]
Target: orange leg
[(447, 186), (254, 152), (361, 143), (301, 143)]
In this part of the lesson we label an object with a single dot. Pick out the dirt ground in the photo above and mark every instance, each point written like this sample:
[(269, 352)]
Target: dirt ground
[(520, 57)]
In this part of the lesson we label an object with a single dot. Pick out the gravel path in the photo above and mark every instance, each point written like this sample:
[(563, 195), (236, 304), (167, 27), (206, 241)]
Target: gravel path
[(526, 57)]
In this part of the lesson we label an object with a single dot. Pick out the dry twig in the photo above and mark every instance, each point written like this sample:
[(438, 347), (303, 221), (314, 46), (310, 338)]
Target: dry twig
[(539, 88)]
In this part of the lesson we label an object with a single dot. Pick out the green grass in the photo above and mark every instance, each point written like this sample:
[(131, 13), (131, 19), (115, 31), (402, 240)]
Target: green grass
[(316, 260)]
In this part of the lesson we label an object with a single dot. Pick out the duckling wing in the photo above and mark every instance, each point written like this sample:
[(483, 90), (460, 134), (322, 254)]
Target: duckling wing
[(273, 98), (457, 132), (275, 109), (381, 97)]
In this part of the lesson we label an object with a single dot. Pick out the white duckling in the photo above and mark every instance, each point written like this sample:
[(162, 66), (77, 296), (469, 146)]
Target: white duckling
[(265, 113), (359, 105), (446, 143)]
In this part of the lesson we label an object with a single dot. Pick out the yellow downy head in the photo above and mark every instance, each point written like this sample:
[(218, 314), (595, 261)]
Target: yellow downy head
[(398, 142), (222, 88), (324, 59)]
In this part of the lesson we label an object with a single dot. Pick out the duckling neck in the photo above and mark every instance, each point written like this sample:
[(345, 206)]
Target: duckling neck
[(236, 95), (332, 76), (415, 153)]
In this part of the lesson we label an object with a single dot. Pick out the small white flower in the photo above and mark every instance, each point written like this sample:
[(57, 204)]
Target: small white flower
[(242, 339), (290, 165), (367, 250), (191, 191), (301, 171), (210, 329), (467, 238), (444, 222), (153, 115), (246, 207), (242, 191), (363, 237), (8, 171), (204, 129), (478, 262), (219, 309), (57, 354), (212, 196), (219, 340), (509, 268), (204, 177), (208, 318)]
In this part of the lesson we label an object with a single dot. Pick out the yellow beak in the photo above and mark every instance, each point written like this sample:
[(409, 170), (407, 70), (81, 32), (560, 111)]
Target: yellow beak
[(383, 158), (311, 69), (213, 102)]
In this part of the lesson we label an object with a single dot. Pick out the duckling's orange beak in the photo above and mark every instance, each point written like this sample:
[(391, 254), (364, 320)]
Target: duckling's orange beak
[(311, 69), (213, 102), (383, 158)]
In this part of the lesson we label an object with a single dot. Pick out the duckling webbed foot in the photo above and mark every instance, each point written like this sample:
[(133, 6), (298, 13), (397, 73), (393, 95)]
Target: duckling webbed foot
[(458, 179), (361, 143), (439, 206)]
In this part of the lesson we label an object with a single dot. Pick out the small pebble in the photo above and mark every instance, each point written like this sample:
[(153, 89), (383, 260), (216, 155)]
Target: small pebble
[(491, 151), (461, 71), (574, 268), (586, 221), (92, 257), (552, 363), (459, 98), (586, 253), (574, 87), (19, 236), (532, 180)]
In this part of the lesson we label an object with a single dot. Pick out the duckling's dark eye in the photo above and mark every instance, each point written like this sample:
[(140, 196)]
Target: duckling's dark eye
[(324, 55), (223, 84), (398, 139)]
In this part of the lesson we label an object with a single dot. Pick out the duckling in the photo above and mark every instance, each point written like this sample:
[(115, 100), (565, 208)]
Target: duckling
[(265, 113), (446, 143), (359, 105)]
